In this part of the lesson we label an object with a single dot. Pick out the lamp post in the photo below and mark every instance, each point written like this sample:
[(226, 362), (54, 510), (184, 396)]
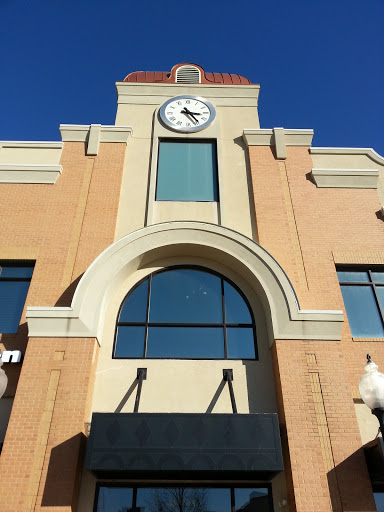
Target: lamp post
[(371, 388), (3, 379)]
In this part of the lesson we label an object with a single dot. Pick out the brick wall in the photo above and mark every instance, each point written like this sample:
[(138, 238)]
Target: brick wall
[(309, 230), (63, 227)]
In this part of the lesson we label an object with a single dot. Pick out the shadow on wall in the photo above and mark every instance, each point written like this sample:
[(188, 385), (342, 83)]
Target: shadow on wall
[(66, 297), (17, 341), (260, 388), (350, 486), (64, 473), (240, 142)]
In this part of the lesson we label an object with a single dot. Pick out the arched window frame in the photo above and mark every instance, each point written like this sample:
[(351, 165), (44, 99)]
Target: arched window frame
[(224, 324)]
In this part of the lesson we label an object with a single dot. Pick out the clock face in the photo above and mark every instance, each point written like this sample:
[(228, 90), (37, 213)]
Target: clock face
[(187, 113)]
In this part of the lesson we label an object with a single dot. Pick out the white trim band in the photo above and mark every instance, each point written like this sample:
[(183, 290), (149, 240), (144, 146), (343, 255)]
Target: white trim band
[(345, 178), (369, 152), (30, 173)]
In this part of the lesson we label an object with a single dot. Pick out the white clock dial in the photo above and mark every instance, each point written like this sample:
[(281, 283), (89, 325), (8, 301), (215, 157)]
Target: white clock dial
[(187, 113)]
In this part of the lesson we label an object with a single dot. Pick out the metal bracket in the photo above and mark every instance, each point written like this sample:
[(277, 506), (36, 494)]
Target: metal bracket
[(228, 377), (141, 375)]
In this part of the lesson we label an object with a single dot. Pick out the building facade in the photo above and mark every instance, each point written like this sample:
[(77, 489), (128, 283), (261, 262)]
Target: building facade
[(187, 301)]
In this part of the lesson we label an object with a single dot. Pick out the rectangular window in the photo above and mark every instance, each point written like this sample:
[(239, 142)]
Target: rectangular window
[(187, 171), (14, 284), (363, 294), (185, 499)]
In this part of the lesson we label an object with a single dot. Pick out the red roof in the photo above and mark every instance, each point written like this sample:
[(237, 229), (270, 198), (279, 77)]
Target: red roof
[(170, 77)]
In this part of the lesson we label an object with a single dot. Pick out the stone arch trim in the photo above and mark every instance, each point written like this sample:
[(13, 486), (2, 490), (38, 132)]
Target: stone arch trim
[(85, 317)]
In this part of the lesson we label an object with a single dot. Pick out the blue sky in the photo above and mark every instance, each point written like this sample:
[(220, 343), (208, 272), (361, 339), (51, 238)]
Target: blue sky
[(319, 62)]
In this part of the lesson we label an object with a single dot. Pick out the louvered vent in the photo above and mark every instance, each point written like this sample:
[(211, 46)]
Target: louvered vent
[(188, 75)]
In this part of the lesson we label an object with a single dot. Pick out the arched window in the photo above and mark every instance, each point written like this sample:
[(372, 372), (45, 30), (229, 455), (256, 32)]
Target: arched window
[(185, 313)]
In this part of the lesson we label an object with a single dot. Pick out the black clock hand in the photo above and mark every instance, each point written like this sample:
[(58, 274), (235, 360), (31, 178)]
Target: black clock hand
[(189, 113)]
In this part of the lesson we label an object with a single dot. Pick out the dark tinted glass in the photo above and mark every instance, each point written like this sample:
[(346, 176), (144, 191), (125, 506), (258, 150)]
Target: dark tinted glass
[(114, 499), (135, 306), (12, 299), (236, 310), (185, 342), (240, 343), (252, 500), (185, 499), (9, 271), (362, 311), (380, 294), (130, 341), (347, 276), (378, 277), (185, 296), (379, 501)]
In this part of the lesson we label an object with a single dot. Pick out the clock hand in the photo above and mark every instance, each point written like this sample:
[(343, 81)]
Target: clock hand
[(189, 113)]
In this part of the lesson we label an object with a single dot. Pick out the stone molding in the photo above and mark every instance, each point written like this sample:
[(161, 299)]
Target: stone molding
[(85, 317), (156, 94), (345, 178), (93, 134), (369, 152), (278, 137), (30, 173), (30, 144)]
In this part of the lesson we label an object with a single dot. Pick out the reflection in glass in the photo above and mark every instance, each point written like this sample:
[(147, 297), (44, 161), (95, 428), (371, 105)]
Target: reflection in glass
[(362, 311), (114, 499), (12, 299), (379, 501), (185, 318), (135, 306), (183, 499), (15, 272), (185, 342), (347, 276), (130, 341), (240, 343), (185, 296), (378, 277), (252, 500), (236, 310)]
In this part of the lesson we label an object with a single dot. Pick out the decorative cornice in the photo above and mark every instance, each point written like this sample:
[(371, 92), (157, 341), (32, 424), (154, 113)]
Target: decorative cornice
[(30, 173), (30, 144), (345, 178), (156, 93), (94, 134), (268, 137), (369, 152)]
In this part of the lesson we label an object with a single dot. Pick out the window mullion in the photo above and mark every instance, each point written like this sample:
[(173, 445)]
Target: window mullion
[(224, 324), (376, 297), (147, 316)]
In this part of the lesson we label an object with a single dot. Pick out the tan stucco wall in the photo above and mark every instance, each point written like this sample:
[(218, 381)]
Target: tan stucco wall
[(138, 107), (182, 385)]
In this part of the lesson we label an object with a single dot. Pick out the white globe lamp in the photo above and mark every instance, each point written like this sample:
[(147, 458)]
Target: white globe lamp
[(371, 388)]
